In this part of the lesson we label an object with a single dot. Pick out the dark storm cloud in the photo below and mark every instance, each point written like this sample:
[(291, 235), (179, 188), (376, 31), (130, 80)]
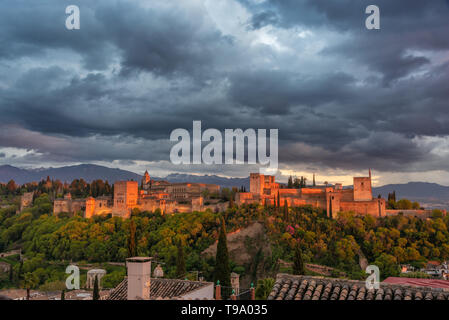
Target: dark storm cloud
[(116, 88), (163, 40), (383, 151), (405, 25), (167, 42), (287, 89), (31, 29)]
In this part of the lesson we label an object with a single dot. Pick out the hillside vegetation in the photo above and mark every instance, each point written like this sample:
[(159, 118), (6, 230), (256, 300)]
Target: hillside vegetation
[(386, 242)]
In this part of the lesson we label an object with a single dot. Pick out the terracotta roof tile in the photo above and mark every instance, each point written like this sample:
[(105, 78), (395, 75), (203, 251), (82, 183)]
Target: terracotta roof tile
[(290, 287), (160, 288)]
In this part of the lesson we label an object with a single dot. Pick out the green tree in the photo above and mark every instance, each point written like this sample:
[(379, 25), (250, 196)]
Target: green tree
[(404, 204), (180, 261), (298, 263), (11, 273), (11, 186), (285, 210), (388, 265), (297, 183), (132, 240), (290, 182), (96, 293), (63, 295), (30, 281), (222, 270), (264, 287)]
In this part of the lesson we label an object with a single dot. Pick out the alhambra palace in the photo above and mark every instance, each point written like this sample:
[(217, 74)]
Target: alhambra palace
[(188, 197), (359, 199), (162, 195)]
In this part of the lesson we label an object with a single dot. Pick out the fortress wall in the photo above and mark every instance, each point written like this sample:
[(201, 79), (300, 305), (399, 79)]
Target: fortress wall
[(364, 207), (61, 206), (289, 192), (26, 200), (148, 204), (306, 191), (78, 205), (347, 195), (410, 213), (183, 208)]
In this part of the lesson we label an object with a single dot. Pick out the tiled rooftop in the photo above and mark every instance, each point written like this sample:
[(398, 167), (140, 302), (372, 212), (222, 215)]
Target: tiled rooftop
[(289, 287), (160, 288)]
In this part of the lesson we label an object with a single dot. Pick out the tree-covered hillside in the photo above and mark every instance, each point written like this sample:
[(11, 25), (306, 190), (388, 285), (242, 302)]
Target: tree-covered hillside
[(386, 242)]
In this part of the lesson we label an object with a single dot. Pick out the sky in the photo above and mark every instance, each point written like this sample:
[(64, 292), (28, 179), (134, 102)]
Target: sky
[(344, 98)]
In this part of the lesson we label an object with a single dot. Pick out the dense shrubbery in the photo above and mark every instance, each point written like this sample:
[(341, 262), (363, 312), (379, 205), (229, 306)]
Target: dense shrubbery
[(386, 242)]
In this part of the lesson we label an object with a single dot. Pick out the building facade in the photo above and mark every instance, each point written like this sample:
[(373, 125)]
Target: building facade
[(333, 199), (153, 195)]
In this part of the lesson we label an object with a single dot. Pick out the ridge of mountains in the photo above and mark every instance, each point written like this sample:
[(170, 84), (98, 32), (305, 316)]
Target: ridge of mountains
[(90, 172), (427, 194)]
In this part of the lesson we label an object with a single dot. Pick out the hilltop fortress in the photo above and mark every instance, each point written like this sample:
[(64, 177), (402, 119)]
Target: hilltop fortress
[(162, 195), (187, 197), (333, 199)]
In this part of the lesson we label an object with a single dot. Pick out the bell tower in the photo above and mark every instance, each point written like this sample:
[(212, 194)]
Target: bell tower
[(146, 181)]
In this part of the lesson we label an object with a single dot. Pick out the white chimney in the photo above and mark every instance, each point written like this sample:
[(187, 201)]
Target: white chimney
[(139, 272)]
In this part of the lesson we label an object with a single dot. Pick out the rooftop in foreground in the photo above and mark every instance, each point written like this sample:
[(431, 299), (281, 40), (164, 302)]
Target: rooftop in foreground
[(290, 287), (160, 288)]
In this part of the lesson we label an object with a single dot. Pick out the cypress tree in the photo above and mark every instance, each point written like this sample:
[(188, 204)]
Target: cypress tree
[(63, 295), (285, 210), (298, 263), (222, 270), (19, 273), (132, 247), (11, 274), (290, 182), (96, 293), (180, 261)]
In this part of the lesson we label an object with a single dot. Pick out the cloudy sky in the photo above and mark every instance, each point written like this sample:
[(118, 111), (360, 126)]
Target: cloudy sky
[(344, 98)]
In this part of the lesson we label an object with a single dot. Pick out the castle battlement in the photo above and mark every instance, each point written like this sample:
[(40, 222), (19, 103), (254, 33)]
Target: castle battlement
[(165, 196), (333, 199)]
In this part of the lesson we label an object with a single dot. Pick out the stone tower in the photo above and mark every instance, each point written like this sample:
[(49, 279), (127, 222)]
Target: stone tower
[(125, 196), (90, 208), (146, 181), (362, 188)]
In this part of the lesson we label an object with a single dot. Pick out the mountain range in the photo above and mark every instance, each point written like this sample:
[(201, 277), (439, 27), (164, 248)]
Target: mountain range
[(90, 172), (427, 194)]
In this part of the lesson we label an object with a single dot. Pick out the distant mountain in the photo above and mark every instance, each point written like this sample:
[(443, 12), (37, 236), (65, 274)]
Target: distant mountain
[(212, 179), (91, 172), (427, 194), (88, 172)]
